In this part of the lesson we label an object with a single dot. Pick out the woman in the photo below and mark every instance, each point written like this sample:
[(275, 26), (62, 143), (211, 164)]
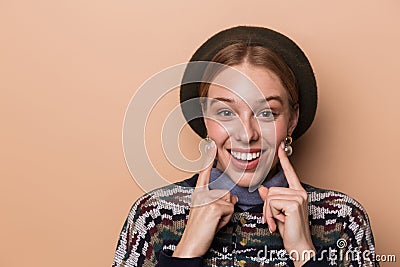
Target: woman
[(216, 218)]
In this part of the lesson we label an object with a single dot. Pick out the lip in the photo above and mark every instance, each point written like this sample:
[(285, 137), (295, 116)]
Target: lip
[(244, 164), (247, 150)]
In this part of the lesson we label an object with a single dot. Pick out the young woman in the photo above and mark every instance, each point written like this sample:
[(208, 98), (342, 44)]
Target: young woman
[(249, 208)]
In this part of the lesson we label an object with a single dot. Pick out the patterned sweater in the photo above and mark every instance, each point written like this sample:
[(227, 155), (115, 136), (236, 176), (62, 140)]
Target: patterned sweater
[(339, 226)]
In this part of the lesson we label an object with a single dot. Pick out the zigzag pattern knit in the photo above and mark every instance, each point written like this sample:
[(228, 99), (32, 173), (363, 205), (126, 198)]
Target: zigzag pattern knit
[(339, 225)]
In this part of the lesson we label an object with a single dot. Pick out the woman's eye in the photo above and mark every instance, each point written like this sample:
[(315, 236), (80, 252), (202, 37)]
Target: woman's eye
[(266, 114), (225, 113)]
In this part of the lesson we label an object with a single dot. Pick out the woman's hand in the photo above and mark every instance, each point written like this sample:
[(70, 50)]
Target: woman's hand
[(287, 209), (210, 211)]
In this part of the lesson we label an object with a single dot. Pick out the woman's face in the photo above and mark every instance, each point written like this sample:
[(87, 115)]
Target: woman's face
[(247, 125)]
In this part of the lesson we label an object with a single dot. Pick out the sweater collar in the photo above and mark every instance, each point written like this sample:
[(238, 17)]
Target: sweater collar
[(247, 199)]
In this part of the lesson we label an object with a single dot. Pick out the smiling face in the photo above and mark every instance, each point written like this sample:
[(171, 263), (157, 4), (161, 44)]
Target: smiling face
[(247, 124)]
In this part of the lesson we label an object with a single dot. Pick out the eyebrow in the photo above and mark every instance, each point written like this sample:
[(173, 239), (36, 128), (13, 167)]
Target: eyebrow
[(273, 97), (222, 99), (230, 100)]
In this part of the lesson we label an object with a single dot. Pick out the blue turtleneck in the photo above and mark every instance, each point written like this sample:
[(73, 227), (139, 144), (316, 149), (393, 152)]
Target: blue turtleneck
[(247, 199)]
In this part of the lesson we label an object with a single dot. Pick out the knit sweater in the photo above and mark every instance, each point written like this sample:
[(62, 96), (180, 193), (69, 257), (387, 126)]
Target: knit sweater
[(339, 225)]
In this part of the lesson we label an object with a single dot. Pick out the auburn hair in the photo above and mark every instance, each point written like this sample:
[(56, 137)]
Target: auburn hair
[(260, 56)]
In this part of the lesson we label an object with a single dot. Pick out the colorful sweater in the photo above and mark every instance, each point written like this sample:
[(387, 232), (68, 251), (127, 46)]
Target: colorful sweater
[(339, 226)]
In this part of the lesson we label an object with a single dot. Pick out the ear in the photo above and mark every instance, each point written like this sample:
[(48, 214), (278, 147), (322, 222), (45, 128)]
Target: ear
[(294, 118)]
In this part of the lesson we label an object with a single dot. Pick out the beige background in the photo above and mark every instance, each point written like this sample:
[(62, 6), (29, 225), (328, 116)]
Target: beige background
[(69, 68)]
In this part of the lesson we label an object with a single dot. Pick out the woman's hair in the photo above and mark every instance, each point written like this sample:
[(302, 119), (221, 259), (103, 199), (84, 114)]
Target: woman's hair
[(238, 53)]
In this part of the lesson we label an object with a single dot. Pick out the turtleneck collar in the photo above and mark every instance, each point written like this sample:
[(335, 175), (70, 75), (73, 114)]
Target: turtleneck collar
[(247, 199)]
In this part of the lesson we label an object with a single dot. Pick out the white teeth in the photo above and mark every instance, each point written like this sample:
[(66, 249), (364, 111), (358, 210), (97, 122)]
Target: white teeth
[(245, 156)]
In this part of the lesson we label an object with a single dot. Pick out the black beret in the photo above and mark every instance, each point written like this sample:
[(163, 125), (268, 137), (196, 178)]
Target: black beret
[(278, 43)]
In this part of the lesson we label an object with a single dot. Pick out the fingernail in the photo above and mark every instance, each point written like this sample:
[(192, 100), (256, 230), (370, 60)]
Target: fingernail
[(282, 145), (269, 229)]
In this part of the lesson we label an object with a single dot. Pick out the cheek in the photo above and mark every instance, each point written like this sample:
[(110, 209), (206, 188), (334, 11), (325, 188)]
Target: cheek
[(217, 133), (281, 131)]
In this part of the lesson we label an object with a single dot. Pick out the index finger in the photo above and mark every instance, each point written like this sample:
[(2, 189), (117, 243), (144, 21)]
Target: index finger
[(290, 174), (204, 175)]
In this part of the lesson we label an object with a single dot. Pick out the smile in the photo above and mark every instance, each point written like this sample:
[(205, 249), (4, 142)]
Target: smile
[(245, 159), (245, 156)]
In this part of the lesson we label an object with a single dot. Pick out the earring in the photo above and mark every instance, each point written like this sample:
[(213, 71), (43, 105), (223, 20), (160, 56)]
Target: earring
[(288, 147), (208, 143)]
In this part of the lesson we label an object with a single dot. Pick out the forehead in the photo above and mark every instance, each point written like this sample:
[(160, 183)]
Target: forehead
[(247, 82)]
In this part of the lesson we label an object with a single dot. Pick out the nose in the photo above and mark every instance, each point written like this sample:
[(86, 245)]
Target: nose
[(248, 131)]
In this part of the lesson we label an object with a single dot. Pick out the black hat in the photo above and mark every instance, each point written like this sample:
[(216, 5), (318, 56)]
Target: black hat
[(278, 43)]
